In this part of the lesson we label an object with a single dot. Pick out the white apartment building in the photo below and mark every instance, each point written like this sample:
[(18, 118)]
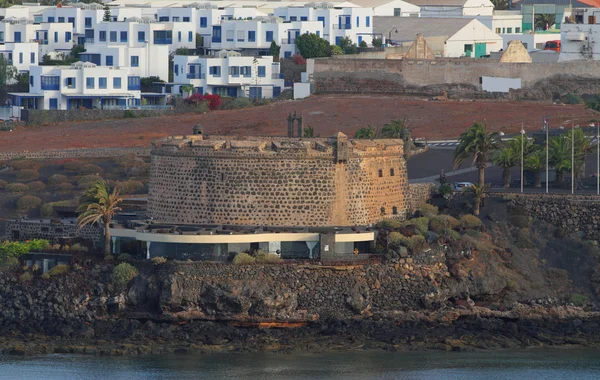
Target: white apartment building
[(578, 41), (229, 74), (337, 22), (396, 8), (83, 84), (83, 18), (21, 55), (253, 37), (54, 38), (22, 34), (17, 30)]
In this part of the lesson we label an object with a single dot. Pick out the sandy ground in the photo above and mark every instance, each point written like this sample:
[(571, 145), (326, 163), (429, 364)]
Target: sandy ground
[(326, 114)]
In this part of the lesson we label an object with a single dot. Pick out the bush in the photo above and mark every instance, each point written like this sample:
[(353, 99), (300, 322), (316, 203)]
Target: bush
[(445, 190), (395, 239), (571, 99), (389, 224), (58, 270), (47, 209), (238, 103), (26, 277), (3, 184), (57, 179), (123, 274), (213, 101), (89, 178), (78, 248), (440, 223), (24, 164), (73, 166), (89, 169), (125, 257), (243, 258), (159, 260), (129, 114), (17, 188), (64, 187), (129, 187), (428, 210), (473, 233), (268, 258), (521, 221), (27, 175), (470, 221), (35, 187), (450, 235), (421, 223), (578, 299), (27, 203), (522, 239), (45, 276)]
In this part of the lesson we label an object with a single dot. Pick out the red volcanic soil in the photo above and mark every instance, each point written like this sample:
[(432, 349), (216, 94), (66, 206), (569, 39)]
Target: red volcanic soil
[(327, 114)]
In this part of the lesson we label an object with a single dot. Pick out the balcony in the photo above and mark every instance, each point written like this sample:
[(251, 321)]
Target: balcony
[(288, 41), (50, 83), (196, 76), (277, 76), (216, 40), (163, 41), (342, 26), (41, 42), (89, 40)]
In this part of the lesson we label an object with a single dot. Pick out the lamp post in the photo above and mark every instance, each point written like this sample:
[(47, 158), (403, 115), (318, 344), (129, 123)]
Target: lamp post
[(394, 29), (572, 158), (523, 136), (547, 127), (598, 160)]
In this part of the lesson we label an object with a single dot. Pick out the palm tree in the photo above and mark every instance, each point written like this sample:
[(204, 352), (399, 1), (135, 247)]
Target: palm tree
[(583, 147), (535, 163), (500, 5), (476, 142), (528, 145), (478, 192), (505, 159), (545, 21), (367, 133), (559, 157), (308, 132), (188, 89), (99, 206), (394, 129)]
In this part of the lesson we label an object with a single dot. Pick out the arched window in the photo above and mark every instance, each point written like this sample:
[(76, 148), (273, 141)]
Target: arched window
[(383, 211), (395, 210), (380, 173), (392, 172)]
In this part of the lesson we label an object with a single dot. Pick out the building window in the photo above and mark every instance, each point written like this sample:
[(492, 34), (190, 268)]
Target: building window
[(71, 20), (102, 36), (234, 71), (269, 36), (101, 82), (322, 19), (186, 19), (368, 23), (287, 54), (30, 81), (53, 106), (178, 36), (32, 58), (123, 36), (293, 18), (509, 30), (176, 69), (20, 58), (338, 40), (163, 37), (251, 36), (1, 36), (50, 19), (262, 71), (61, 19), (70, 82), (240, 35), (88, 22), (397, 12), (357, 21), (163, 18), (246, 71), (55, 37), (498, 30), (89, 83), (392, 172), (395, 210), (117, 83), (517, 30), (141, 36), (113, 36), (135, 61), (190, 37), (175, 19), (109, 60), (503, 30), (67, 36), (382, 210), (203, 22), (17, 36), (215, 71), (318, 33), (380, 172)]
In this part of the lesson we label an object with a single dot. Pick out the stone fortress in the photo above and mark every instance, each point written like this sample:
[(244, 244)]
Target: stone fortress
[(277, 181)]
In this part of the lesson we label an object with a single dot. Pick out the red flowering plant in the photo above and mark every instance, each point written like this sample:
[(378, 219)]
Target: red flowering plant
[(298, 60), (213, 101)]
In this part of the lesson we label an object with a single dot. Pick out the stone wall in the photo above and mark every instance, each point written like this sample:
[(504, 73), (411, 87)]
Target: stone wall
[(75, 153), (571, 212), (419, 193), (459, 77), (53, 230), (248, 183)]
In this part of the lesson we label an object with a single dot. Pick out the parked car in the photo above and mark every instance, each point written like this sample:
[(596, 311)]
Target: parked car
[(460, 186)]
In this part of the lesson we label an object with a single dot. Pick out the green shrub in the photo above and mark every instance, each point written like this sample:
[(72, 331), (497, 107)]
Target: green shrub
[(78, 248), (3, 184), (521, 221), (64, 187), (45, 276), (522, 239), (442, 222), (158, 260), (421, 223), (89, 178), (389, 224), (17, 188), (428, 210), (238, 103), (591, 248), (243, 258), (26, 277), (395, 239), (90, 169), (47, 209), (129, 114), (28, 202), (57, 179), (123, 274), (129, 187), (450, 235), (414, 243), (578, 299), (36, 187), (58, 270), (571, 99), (125, 257), (73, 166), (27, 175), (470, 221), (445, 191), (267, 258), (8, 263), (24, 164), (473, 233)]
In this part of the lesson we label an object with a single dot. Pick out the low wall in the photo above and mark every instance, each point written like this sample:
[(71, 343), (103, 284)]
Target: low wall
[(572, 212), (418, 194), (52, 231), (76, 153)]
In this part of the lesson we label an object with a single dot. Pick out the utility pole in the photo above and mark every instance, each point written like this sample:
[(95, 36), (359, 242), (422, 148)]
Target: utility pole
[(522, 153), (547, 126), (598, 160), (572, 157)]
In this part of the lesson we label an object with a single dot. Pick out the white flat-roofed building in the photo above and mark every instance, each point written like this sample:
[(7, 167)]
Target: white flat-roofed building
[(229, 74), (21, 55)]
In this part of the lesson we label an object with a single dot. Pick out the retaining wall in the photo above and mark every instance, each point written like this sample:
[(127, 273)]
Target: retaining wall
[(76, 153)]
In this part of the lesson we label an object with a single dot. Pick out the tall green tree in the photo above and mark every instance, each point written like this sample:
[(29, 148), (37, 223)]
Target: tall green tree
[(312, 46), (308, 132), (559, 157), (583, 148), (274, 50), (500, 5), (394, 129), (478, 192), (478, 143), (522, 141), (348, 47), (545, 21), (199, 41), (107, 14), (535, 163), (99, 206), (505, 159), (7, 71), (367, 133)]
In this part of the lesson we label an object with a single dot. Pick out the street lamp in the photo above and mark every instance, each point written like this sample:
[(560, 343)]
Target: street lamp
[(394, 29), (523, 136), (546, 127)]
